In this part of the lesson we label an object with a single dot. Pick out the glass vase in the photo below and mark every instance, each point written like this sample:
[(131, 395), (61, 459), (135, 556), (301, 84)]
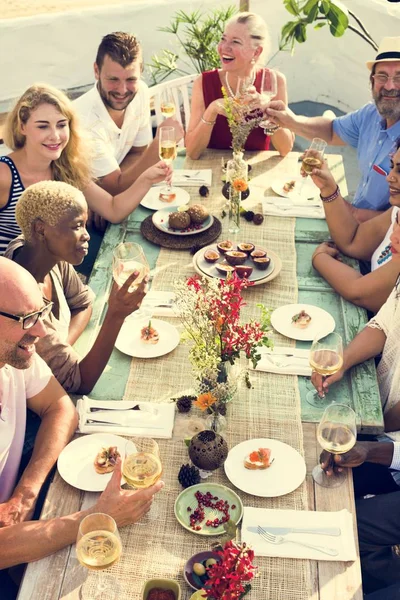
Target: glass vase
[(216, 422), (236, 175)]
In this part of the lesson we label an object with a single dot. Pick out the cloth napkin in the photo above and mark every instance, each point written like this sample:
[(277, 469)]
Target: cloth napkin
[(275, 361), (281, 207), (195, 178), (343, 543), (154, 298), (152, 420)]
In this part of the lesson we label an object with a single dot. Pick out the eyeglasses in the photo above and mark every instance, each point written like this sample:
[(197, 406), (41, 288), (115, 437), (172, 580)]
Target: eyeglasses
[(383, 79), (28, 321)]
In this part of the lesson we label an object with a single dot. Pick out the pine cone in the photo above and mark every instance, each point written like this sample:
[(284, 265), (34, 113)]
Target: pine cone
[(188, 475), (184, 403)]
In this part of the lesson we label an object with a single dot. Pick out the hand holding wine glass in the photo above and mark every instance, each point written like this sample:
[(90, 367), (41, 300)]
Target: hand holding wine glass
[(129, 258), (268, 91), (143, 468), (337, 434), (98, 546), (326, 358)]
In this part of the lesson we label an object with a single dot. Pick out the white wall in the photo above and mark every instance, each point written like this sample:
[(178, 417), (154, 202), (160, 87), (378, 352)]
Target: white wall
[(60, 48)]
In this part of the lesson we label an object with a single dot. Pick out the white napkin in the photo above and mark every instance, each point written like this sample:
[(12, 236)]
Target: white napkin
[(296, 207), (194, 177), (154, 298), (275, 361), (152, 420), (343, 543)]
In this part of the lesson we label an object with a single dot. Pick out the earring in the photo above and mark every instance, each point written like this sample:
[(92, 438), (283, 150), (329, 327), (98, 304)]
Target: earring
[(253, 61)]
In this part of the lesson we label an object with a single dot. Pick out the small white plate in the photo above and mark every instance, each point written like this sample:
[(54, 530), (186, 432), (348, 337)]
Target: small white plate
[(153, 202), (160, 220), (285, 474), (309, 189), (129, 342), (76, 461), (321, 324)]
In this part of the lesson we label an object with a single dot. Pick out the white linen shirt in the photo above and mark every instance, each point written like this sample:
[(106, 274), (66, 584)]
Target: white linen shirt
[(383, 253), (16, 386), (109, 143)]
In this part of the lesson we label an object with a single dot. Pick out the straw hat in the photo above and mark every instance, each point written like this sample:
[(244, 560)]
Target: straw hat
[(389, 51)]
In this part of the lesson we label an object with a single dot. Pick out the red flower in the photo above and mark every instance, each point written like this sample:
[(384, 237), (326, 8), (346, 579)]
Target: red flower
[(226, 578)]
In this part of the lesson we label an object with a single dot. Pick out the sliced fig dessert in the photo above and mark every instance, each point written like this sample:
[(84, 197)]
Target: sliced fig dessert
[(246, 247), (262, 263), (211, 256), (225, 246), (244, 271), (234, 257), (224, 268), (258, 254)]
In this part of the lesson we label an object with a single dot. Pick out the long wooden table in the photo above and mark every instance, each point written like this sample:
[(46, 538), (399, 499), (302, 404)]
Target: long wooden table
[(59, 576)]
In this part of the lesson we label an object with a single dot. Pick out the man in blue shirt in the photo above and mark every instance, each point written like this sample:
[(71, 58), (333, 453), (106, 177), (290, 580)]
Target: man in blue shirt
[(373, 129)]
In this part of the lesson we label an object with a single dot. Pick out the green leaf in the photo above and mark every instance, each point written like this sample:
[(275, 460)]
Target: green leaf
[(292, 7), (310, 6), (338, 21), (319, 25), (313, 14), (300, 33), (324, 7)]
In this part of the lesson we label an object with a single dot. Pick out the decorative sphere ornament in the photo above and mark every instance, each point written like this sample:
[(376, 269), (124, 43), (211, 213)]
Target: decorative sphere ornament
[(208, 450)]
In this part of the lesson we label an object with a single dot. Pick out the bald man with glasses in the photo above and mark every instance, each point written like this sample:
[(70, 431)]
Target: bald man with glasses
[(27, 382)]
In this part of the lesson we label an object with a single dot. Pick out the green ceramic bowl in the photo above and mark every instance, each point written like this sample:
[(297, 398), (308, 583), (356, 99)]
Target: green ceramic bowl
[(166, 584), (186, 499)]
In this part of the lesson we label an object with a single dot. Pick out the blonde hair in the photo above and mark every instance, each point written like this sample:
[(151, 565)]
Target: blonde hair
[(48, 201), (73, 166), (257, 28)]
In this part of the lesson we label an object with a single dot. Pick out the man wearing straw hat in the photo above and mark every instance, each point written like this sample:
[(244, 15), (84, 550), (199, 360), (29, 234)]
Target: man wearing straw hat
[(373, 129)]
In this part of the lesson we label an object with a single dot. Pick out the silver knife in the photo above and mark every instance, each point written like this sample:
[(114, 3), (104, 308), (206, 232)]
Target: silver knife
[(285, 530), (96, 422)]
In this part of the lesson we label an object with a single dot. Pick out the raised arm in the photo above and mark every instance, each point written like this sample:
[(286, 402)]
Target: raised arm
[(202, 121), (116, 208), (307, 127)]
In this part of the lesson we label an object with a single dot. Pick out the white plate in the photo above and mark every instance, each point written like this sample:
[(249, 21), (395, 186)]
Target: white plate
[(76, 462), (321, 324), (160, 220), (129, 342), (211, 270), (285, 474), (153, 202), (309, 190)]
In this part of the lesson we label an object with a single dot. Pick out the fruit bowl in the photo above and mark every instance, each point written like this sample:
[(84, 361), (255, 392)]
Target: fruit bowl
[(165, 584), (195, 581)]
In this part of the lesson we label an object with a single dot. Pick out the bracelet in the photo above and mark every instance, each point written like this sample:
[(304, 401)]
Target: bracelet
[(203, 120), (332, 197)]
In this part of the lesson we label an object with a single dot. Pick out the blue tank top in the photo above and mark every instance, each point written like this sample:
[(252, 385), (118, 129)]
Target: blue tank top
[(8, 225)]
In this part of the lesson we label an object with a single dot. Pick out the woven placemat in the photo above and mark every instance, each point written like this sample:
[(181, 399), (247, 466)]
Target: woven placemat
[(166, 240), (270, 409)]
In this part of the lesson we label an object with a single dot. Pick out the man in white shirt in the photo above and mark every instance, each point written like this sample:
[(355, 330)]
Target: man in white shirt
[(26, 381), (116, 114)]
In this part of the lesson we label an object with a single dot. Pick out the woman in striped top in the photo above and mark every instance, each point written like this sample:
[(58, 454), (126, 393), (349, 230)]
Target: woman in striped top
[(43, 132)]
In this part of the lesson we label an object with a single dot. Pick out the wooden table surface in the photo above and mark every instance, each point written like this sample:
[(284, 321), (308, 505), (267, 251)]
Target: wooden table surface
[(60, 575)]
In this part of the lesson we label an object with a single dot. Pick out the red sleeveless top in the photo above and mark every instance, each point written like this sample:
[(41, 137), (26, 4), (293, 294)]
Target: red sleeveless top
[(221, 138)]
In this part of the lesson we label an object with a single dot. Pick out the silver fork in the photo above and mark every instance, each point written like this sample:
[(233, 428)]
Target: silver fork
[(280, 539)]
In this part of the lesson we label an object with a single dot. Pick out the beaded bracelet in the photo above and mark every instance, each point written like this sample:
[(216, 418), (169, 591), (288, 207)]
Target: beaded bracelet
[(332, 197), (203, 120)]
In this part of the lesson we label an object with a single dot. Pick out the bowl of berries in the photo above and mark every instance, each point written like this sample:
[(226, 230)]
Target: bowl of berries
[(195, 570)]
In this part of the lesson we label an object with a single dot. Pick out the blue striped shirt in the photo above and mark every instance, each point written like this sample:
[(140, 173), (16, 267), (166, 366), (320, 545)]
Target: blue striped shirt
[(8, 225)]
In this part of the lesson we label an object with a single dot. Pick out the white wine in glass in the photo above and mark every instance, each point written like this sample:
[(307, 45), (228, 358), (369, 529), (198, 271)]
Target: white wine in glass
[(326, 358), (143, 468), (129, 257), (98, 546), (167, 153), (337, 434), (268, 91), (167, 103)]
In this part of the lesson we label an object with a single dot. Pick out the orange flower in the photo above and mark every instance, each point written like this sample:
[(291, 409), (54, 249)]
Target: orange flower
[(219, 323), (204, 401), (239, 185)]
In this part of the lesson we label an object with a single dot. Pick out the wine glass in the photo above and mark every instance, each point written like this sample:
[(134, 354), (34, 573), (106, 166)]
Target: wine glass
[(326, 358), (167, 153), (142, 468), (268, 91), (127, 258), (98, 546), (312, 159), (336, 433), (167, 103)]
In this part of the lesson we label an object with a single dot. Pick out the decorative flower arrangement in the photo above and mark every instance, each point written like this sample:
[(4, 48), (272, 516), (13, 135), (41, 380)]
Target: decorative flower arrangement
[(242, 119), (229, 578), (210, 312)]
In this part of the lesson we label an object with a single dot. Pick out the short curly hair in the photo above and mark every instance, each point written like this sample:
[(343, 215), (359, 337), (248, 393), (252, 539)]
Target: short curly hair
[(48, 201)]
